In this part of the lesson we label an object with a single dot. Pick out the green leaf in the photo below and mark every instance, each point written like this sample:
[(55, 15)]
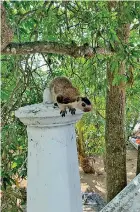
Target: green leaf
[(14, 165)]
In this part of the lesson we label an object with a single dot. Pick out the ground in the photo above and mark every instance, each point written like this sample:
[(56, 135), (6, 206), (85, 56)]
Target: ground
[(96, 182)]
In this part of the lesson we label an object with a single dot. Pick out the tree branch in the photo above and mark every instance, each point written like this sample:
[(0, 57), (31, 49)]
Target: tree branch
[(54, 47), (6, 31)]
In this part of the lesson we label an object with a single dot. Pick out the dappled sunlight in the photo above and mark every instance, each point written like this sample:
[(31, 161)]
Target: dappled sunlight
[(97, 182), (101, 189), (94, 182)]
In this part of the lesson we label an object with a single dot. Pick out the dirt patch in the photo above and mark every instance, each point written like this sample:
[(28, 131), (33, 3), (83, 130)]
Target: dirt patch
[(97, 182)]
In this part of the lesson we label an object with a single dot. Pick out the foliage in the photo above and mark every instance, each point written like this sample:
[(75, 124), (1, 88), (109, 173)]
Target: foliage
[(25, 77)]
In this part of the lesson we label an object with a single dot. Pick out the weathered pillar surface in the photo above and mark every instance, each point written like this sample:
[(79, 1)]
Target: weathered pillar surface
[(127, 200), (53, 174)]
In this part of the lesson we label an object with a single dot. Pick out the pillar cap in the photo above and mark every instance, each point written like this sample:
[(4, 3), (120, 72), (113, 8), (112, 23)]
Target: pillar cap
[(45, 115)]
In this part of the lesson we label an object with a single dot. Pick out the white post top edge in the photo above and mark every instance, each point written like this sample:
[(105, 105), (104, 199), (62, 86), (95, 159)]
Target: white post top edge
[(45, 115)]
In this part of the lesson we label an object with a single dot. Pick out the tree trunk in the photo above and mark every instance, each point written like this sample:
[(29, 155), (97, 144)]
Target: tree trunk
[(115, 137), (138, 161), (6, 32), (115, 116)]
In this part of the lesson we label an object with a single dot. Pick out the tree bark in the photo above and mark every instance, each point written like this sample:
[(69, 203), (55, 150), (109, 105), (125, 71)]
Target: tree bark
[(116, 178), (54, 47), (115, 137), (138, 161), (6, 31)]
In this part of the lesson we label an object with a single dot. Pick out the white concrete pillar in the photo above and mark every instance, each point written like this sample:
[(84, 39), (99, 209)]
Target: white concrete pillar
[(53, 174)]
